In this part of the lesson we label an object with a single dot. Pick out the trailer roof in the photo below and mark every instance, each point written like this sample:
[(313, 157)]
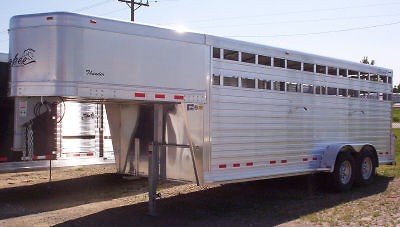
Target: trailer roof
[(123, 27), (104, 24)]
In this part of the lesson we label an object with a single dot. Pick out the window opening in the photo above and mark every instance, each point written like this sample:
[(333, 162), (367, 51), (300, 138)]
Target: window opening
[(216, 52), (293, 87), (279, 62), (264, 84), (332, 91), (248, 58), (363, 94), (364, 76), (321, 69), (320, 90), (373, 77), (293, 65), (231, 81), (264, 60), (353, 93), (332, 71), (373, 95), (248, 83), (231, 55), (308, 89), (343, 72), (342, 92), (383, 78), (308, 67), (381, 97), (216, 80), (279, 86), (352, 74)]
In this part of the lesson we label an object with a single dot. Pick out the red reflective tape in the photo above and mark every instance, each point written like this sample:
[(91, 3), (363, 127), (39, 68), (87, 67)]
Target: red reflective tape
[(305, 159), (272, 162), (48, 156), (222, 166), (314, 158), (283, 161), (159, 96), (236, 165), (178, 97), (89, 154), (76, 155), (3, 159), (249, 164), (140, 95)]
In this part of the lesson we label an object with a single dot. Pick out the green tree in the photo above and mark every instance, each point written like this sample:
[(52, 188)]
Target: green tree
[(365, 60), (396, 89)]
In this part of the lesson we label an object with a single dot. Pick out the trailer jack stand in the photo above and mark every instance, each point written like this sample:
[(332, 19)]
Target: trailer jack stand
[(154, 151)]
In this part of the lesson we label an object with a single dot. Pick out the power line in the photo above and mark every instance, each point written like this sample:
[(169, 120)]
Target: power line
[(318, 33), (293, 12), (113, 11), (296, 21), (92, 6)]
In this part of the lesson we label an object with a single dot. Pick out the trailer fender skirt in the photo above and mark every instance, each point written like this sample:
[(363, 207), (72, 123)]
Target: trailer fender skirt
[(331, 152)]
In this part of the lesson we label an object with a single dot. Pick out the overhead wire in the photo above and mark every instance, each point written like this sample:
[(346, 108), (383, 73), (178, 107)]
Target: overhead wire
[(113, 11), (298, 21), (316, 33), (92, 6), (273, 14), (292, 12), (76, 10)]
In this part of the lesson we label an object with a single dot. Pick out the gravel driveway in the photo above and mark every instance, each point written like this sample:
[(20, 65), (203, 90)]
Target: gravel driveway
[(95, 196)]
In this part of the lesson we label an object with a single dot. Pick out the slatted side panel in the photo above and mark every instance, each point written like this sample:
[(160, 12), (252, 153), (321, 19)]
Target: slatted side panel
[(259, 132)]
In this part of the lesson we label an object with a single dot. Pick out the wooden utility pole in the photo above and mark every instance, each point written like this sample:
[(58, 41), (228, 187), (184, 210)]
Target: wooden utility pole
[(132, 4)]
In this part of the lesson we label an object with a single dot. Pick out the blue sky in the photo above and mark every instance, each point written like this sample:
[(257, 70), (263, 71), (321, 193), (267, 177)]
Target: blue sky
[(342, 29)]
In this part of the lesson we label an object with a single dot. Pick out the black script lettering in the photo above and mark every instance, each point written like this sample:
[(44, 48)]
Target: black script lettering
[(92, 73), (26, 58)]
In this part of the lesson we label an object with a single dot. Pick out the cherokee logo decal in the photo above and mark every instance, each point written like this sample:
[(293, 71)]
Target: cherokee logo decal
[(26, 58)]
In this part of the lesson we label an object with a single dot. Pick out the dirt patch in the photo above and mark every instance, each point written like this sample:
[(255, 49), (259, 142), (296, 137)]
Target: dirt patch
[(95, 196)]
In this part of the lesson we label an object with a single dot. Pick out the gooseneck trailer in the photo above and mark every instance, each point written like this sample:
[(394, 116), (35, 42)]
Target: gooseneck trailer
[(202, 108)]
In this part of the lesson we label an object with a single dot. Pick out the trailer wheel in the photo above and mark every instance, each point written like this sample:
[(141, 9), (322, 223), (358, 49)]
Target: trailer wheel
[(365, 168), (343, 174)]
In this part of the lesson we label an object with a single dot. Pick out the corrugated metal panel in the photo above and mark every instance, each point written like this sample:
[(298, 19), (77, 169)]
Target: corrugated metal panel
[(280, 132), (79, 131), (78, 128)]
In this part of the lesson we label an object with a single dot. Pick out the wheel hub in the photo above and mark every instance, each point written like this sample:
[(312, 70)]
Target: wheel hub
[(345, 172), (366, 168)]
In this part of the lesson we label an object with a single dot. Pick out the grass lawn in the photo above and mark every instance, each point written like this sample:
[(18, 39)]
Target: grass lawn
[(393, 171), (396, 115)]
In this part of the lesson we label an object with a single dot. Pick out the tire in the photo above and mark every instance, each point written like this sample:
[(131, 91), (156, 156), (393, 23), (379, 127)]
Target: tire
[(365, 168), (343, 175)]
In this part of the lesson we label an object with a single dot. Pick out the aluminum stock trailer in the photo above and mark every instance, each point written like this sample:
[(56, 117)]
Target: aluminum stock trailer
[(202, 108)]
